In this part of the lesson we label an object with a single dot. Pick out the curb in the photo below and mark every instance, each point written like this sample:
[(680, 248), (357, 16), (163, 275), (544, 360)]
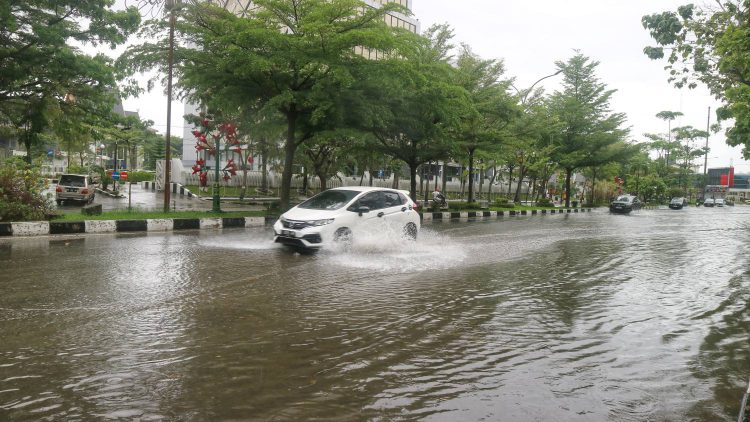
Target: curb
[(42, 228), (465, 215)]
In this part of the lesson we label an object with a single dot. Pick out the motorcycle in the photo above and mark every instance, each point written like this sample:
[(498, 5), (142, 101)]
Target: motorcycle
[(438, 199)]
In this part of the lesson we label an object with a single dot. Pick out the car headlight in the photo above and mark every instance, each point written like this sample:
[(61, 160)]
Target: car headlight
[(315, 223)]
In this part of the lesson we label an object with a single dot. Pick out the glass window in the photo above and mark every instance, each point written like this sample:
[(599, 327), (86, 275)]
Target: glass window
[(329, 200), (72, 180), (373, 201), (392, 199)]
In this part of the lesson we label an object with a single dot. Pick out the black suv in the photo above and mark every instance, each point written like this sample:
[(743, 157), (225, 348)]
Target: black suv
[(625, 204)]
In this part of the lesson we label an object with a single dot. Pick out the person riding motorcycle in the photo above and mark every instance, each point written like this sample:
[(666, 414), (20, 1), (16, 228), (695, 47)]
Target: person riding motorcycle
[(438, 198)]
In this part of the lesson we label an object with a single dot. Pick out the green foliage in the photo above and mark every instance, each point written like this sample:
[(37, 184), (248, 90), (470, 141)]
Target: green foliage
[(44, 77), (503, 202), (709, 44), (140, 176), (290, 61), (21, 196), (460, 206), (544, 202), (591, 133)]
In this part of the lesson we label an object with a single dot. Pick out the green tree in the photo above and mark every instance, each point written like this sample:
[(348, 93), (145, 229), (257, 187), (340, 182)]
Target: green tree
[(21, 193), (668, 116), (588, 126), (414, 103), (291, 58), (709, 45), (493, 108), (687, 136), (40, 69)]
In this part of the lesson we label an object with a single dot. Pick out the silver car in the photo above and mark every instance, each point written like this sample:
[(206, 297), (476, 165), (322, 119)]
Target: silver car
[(75, 187)]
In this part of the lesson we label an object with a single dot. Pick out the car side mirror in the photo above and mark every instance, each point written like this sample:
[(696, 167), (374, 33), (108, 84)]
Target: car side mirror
[(363, 210)]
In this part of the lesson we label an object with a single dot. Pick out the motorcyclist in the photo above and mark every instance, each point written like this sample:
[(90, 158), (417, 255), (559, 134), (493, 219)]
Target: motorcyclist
[(438, 197)]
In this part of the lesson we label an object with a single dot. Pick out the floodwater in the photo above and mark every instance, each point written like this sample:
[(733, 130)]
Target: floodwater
[(578, 317)]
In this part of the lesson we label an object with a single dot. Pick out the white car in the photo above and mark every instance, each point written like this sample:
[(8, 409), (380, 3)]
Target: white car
[(719, 202), (344, 214)]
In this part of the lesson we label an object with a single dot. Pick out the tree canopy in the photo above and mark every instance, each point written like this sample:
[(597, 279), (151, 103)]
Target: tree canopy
[(709, 44)]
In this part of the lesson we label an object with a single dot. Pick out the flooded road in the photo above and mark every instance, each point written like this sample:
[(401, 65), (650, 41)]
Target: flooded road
[(582, 317)]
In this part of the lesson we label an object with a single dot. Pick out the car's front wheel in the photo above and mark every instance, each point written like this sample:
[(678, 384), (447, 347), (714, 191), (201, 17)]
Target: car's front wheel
[(343, 236), (410, 231)]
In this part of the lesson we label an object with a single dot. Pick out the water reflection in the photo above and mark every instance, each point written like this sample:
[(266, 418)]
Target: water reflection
[(585, 317)]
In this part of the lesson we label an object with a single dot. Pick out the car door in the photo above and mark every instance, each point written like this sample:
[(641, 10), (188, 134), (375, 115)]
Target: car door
[(372, 221), (395, 210)]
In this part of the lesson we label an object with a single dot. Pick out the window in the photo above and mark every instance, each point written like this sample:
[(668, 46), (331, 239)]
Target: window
[(329, 200), (392, 199), (372, 200)]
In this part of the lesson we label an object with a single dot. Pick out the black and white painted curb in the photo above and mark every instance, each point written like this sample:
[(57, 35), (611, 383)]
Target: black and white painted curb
[(447, 216), (42, 228), (176, 189)]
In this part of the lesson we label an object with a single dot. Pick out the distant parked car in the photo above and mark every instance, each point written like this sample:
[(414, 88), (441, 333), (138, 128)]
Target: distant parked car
[(719, 202), (677, 203), (624, 204), (75, 187), (709, 202)]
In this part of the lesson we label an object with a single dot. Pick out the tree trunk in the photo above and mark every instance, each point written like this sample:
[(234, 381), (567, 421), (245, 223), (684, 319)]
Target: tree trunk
[(471, 176), (290, 148), (444, 180), (264, 166), (492, 181), (323, 181), (568, 174), (395, 180), (413, 181), (593, 188), (510, 179), (521, 175)]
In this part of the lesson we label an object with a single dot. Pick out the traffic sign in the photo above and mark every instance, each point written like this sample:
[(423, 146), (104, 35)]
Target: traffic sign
[(115, 176), (124, 176)]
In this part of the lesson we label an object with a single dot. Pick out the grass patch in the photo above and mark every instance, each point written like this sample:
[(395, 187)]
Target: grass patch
[(143, 215)]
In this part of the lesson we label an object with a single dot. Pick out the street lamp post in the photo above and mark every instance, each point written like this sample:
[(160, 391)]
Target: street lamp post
[(170, 5)]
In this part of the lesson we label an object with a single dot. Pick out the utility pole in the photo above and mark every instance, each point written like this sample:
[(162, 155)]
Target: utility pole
[(705, 159)]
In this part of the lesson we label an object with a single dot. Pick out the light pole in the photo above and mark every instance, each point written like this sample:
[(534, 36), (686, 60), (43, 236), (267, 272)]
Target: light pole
[(170, 6), (528, 90)]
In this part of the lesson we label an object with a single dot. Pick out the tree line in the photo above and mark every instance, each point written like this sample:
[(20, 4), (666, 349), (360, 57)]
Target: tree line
[(299, 76)]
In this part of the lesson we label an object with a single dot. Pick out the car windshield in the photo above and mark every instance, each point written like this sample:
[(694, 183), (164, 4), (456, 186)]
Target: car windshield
[(329, 200), (72, 180), (623, 198), (677, 200)]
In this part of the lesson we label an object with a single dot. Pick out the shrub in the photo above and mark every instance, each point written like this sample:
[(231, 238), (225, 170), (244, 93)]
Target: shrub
[(459, 206), (140, 176), (21, 193), (503, 202), (544, 202)]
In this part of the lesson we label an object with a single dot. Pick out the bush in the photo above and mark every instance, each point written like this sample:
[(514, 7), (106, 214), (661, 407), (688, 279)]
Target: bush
[(140, 176), (21, 193), (503, 202), (544, 202), (459, 206)]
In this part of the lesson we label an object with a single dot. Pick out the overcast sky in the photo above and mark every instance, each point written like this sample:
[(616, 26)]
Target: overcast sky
[(530, 36)]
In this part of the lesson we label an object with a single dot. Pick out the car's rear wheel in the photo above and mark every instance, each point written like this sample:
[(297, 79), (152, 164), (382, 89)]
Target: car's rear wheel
[(410, 231), (59, 201)]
